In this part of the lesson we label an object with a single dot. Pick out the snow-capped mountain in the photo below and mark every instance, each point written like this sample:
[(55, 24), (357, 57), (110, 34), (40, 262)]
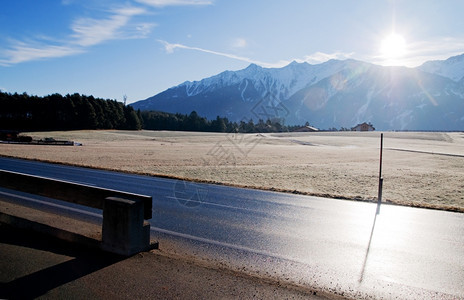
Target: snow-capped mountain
[(281, 82), (452, 68), (332, 94), (391, 98)]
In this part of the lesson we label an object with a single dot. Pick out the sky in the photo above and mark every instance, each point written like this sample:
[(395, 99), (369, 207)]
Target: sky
[(138, 48)]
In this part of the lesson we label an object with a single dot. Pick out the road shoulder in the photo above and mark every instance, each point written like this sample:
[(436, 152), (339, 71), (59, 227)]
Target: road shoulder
[(34, 265)]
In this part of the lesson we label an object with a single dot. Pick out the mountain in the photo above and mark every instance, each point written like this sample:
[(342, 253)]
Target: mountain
[(393, 98), (452, 68), (332, 94)]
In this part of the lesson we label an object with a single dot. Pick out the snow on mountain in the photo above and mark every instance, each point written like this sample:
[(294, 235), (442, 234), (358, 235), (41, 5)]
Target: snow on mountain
[(281, 82), (331, 94), (452, 68), (388, 97)]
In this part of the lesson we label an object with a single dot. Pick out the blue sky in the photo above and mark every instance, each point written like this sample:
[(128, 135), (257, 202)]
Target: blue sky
[(139, 48)]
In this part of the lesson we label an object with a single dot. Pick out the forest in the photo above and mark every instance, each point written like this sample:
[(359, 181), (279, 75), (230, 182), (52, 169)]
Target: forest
[(23, 112), (153, 120), (71, 112)]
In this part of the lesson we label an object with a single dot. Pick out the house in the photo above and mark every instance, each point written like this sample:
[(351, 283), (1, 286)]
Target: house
[(307, 129), (12, 136), (363, 127), (8, 135)]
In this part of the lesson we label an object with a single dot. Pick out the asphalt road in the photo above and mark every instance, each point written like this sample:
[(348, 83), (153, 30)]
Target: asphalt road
[(332, 245)]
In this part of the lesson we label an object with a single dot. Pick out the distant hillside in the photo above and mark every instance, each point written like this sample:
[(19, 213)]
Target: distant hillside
[(333, 94)]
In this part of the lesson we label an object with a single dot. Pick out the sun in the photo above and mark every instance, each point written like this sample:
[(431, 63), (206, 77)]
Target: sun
[(393, 46)]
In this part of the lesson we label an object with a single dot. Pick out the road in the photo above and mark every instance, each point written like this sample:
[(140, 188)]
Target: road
[(332, 245)]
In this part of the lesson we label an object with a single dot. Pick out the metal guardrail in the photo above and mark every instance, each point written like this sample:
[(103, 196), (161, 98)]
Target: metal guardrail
[(68, 191), (124, 229)]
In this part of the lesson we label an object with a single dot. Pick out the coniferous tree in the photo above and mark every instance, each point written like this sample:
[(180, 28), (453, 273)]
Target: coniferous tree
[(55, 112)]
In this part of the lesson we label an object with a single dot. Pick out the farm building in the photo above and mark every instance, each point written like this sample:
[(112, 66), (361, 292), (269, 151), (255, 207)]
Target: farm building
[(363, 127), (12, 136), (307, 129), (8, 135)]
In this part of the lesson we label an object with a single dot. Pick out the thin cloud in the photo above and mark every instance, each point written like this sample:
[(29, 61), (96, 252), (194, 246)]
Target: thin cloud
[(87, 32), (20, 52), (439, 49), (315, 58), (162, 3), (422, 51), (90, 32), (169, 48), (239, 43), (320, 57)]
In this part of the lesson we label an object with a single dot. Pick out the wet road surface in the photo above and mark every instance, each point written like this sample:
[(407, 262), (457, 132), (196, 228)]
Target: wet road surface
[(335, 246)]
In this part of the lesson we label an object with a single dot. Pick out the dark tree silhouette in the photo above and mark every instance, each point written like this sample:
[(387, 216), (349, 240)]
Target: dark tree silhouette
[(55, 112)]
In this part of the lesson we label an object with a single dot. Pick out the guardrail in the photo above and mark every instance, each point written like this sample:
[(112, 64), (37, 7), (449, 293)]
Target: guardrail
[(124, 229)]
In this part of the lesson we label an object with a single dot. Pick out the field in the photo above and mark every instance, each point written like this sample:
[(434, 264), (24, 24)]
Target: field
[(419, 169)]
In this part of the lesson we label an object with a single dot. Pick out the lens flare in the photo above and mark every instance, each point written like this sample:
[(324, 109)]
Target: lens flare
[(393, 46)]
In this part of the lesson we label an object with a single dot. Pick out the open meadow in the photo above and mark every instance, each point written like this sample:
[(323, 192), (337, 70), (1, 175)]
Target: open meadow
[(419, 168)]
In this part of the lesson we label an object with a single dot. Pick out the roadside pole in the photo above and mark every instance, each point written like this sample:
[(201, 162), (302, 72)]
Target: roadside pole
[(379, 197)]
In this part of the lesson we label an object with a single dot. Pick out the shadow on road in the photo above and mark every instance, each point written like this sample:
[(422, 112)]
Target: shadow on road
[(81, 262), (361, 277)]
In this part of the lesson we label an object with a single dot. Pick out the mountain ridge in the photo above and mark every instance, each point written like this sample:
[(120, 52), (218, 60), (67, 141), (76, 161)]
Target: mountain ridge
[(452, 67), (336, 93)]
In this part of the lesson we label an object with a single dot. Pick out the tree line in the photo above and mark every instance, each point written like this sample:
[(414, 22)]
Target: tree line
[(154, 120), (70, 112), (24, 112)]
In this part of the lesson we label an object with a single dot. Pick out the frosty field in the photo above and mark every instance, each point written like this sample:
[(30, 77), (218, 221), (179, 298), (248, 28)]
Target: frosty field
[(419, 168)]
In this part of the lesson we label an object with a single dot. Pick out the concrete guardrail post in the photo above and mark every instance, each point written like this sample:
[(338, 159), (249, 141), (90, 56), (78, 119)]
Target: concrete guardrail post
[(124, 230)]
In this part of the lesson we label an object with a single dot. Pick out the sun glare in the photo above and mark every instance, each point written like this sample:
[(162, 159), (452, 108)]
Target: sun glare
[(393, 46)]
